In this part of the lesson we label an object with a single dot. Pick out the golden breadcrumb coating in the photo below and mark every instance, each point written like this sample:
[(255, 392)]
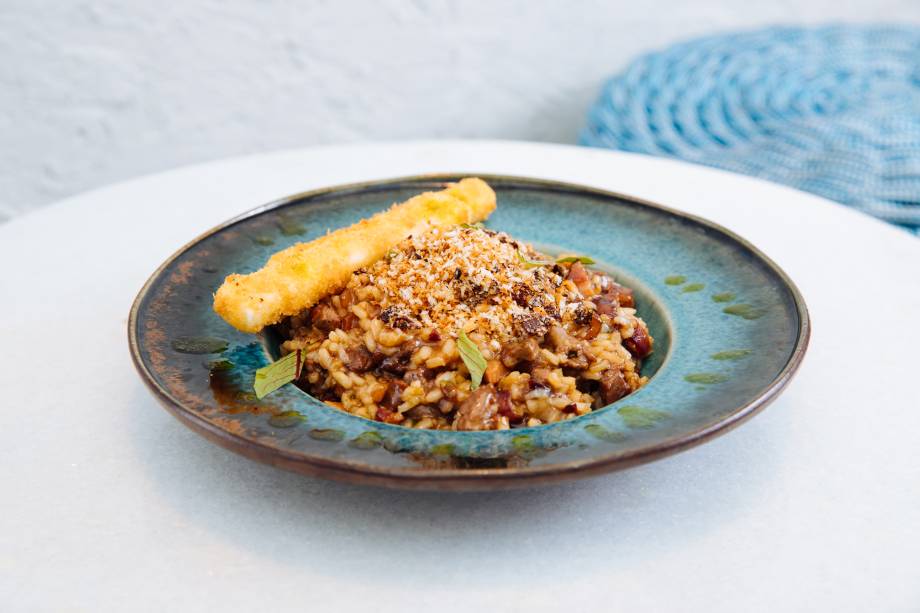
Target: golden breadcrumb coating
[(299, 276)]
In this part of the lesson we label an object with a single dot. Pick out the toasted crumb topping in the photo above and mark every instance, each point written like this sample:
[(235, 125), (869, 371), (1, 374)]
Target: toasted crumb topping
[(472, 279)]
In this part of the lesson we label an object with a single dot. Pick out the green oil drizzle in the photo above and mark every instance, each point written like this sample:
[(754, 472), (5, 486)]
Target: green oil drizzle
[(366, 440), (442, 449), (640, 417), (219, 365), (706, 378), (675, 279), (735, 354), (523, 443), (693, 287), (723, 297), (600, 432), (199, 344), (263, 240), (287, 419), (323, 434), (393, 446), (700, 388), (291, 227), (745, 311)]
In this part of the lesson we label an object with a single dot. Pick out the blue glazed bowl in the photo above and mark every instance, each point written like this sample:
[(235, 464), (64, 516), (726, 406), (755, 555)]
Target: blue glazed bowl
[(730, 330)]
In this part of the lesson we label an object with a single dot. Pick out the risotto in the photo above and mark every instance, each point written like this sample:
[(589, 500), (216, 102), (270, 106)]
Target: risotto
[(460, 327)]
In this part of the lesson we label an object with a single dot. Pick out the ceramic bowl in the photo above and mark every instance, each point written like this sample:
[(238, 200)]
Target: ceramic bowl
[(730, 331)]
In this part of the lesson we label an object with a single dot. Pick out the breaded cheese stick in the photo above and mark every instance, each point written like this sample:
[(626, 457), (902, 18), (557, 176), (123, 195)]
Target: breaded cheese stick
[(299, 276)]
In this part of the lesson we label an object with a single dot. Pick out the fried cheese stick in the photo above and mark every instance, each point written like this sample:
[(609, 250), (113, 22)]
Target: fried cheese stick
[(299, 276)]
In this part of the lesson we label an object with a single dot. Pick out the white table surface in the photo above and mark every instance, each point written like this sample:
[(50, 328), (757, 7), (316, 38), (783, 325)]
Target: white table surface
[(109, 504)]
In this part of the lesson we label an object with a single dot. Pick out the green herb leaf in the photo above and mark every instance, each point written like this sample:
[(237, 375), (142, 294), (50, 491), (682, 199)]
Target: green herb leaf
[(532, 263), (571, 259), (472, 357), (474, 226), (271, 377)]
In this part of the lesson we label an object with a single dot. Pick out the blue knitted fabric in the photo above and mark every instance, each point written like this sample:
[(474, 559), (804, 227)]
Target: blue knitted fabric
[(832, 110)]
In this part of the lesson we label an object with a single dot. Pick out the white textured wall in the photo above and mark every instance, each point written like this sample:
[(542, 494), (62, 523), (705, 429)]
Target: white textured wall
[(97, 91)]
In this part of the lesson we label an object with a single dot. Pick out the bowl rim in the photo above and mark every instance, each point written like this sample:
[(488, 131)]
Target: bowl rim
[(474, 478)]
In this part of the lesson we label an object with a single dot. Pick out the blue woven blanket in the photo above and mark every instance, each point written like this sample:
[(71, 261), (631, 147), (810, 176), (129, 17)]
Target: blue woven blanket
[(831, 110)]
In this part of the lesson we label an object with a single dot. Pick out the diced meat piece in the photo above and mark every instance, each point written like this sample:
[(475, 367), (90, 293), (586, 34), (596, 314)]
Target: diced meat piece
[(506, 408), (532, 324), (560, 339), (612, 386), (398, 317), (640, 343), (398, 363), (539, 377), (575, 350), (324, 317), (495, 370), (583, 313), (577, 358), (594, 328), (479, 411), (349, 321), (615, 292), (613, 295), (579, 276), (624, 295), (393, 395), (570, 408), (359, 359), (395, 364), (605, 305), (585, 316), (525, 350), (418, 374), (472, 293), (522, 293), (386, 415), (421, 412)]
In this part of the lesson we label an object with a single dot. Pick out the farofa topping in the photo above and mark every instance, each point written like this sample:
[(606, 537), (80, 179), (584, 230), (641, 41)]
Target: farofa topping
[(462, 278), (559, 339)]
